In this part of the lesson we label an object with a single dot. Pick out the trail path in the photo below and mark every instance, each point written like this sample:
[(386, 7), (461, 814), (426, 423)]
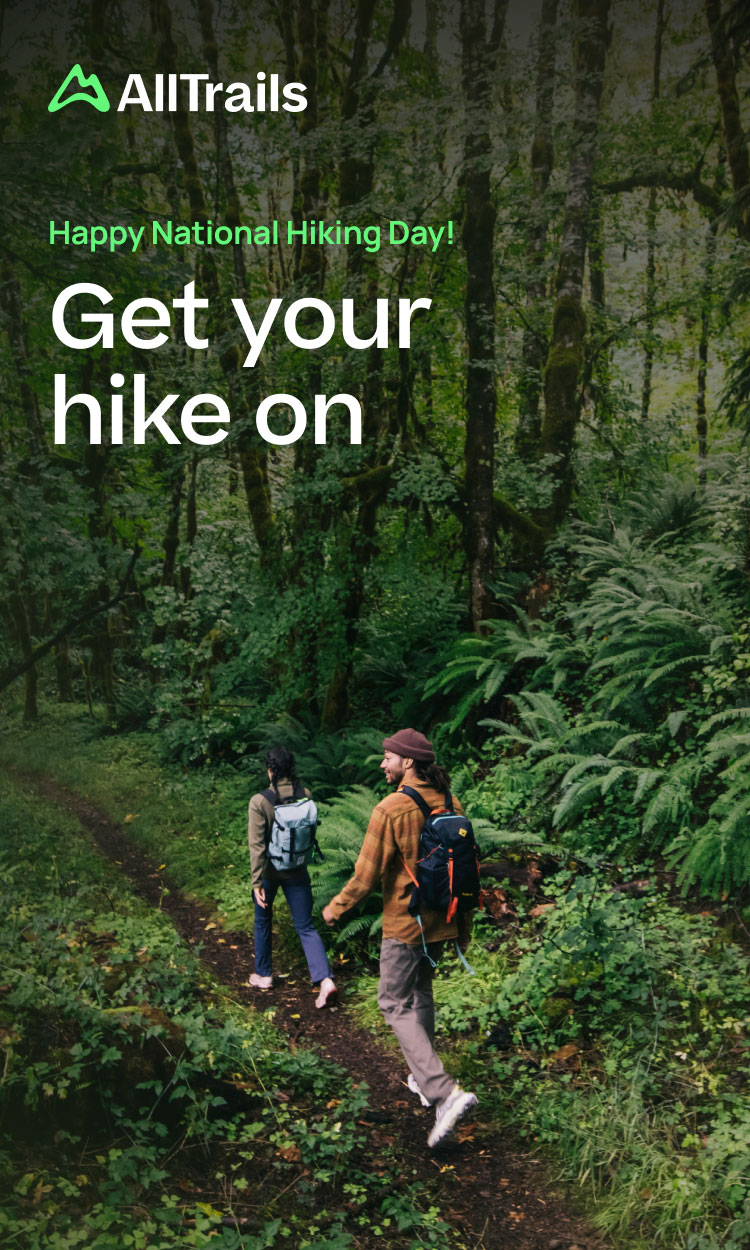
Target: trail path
[(492, 1193)]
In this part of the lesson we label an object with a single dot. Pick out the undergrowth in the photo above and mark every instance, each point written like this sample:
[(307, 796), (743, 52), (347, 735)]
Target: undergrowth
[(614, 1033), (139, 1107), (609, 1026)]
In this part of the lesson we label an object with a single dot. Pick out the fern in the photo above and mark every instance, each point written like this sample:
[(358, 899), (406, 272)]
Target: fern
[(618, 698), (342, 828)]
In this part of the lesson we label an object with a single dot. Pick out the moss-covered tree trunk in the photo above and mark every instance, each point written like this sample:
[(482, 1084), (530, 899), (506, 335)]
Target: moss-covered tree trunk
[(478, 59), (232, 211), (735, 141), (534, 343), (701, 412), (597, 367), (569, 322), (650, 294), (357, 532)]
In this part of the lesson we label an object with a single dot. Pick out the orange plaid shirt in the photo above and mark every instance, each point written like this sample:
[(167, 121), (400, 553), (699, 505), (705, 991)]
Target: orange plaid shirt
[(391, 841)]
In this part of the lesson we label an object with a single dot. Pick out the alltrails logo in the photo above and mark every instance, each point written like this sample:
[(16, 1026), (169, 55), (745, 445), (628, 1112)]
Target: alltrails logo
[(267, 96), (95, 96)]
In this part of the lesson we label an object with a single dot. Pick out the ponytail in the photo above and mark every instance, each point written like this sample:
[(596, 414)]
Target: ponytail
[(434, 775)]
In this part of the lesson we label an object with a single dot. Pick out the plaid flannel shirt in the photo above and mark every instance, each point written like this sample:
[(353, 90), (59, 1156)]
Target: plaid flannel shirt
[(390, 842)]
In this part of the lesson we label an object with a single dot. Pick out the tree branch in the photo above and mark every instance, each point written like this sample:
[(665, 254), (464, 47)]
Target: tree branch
[(126, 168), (397, 30), (509, 518), (9, 674), (668, 180), (369, 481)]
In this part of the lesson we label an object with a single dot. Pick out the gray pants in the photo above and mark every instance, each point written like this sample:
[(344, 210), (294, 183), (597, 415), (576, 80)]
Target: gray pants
[(405, 999)]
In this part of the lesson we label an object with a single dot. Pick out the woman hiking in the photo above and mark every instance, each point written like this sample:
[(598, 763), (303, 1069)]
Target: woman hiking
[(295, 882)]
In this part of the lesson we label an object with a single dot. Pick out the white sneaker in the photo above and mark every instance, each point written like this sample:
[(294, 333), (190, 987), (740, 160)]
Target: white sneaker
[(411, 1082), (449, 1113), (257, 982), (328, 993)]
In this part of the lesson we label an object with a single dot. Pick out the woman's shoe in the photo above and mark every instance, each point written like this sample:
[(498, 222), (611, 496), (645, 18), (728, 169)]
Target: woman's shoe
[(328, 993)]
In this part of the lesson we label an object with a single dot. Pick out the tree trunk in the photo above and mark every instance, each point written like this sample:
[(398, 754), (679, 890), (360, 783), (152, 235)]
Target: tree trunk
[(23, 634), (357, 175), (478, 57), (534, 345), (597, 370), (252, 455), (310, 258), (171, 544), (63, 671), (735, 142), (191, 521), (96, 466), (352, 177), (232, 213), (649, 340), (10, 301), (701, 424), (569, 322)]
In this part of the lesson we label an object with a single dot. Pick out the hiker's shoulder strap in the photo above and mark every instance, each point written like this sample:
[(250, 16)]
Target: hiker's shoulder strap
[(417, 798), (276, 800)]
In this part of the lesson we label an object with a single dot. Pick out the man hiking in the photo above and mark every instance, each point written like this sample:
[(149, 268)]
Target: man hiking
[(294, 881), (389, 853)]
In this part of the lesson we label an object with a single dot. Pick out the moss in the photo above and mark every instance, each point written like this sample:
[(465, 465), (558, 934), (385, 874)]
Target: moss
[(569, 321), (230, 359), (560, 386)]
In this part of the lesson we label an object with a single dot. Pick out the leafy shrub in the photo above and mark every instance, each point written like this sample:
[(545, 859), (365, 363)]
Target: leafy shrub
[(628, 702)]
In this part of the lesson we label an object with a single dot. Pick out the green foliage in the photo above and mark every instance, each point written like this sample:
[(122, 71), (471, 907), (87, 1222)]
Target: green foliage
[(123, 1066), (650, 1000), (343, 823), (633, 695)]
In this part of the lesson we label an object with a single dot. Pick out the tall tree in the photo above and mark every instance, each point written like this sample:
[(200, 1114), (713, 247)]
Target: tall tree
[(366, 491), (534, 343), (701, 423), (738, 156), (650, 322), (252, 454), (569, 321), (478, 61)]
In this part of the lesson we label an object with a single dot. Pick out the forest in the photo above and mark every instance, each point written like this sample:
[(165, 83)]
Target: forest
[(486, 474)]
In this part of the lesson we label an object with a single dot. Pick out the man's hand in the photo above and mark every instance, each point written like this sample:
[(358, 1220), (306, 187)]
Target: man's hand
[(260, 897), (464, 931), (328, 915)]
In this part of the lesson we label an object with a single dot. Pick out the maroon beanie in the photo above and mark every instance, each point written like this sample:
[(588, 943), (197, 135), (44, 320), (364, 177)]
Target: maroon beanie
[(411, 745)]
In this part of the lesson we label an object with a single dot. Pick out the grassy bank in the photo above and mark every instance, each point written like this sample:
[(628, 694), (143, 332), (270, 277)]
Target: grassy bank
[(612, 1033)]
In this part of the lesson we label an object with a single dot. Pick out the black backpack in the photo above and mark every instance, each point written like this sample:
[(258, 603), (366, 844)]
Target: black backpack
[(448, 866)]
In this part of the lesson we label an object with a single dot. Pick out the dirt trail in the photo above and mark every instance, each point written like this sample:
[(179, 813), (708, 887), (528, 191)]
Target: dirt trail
[(492, 1193)]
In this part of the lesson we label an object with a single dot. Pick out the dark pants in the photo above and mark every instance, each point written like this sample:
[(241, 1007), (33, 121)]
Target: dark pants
[(298, 893)]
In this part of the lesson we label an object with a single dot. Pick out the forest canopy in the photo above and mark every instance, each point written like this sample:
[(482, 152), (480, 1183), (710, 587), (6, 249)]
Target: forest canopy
[(396, 455)]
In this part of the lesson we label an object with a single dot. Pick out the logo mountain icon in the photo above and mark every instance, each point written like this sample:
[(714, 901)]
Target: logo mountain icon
[(95, 95)]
